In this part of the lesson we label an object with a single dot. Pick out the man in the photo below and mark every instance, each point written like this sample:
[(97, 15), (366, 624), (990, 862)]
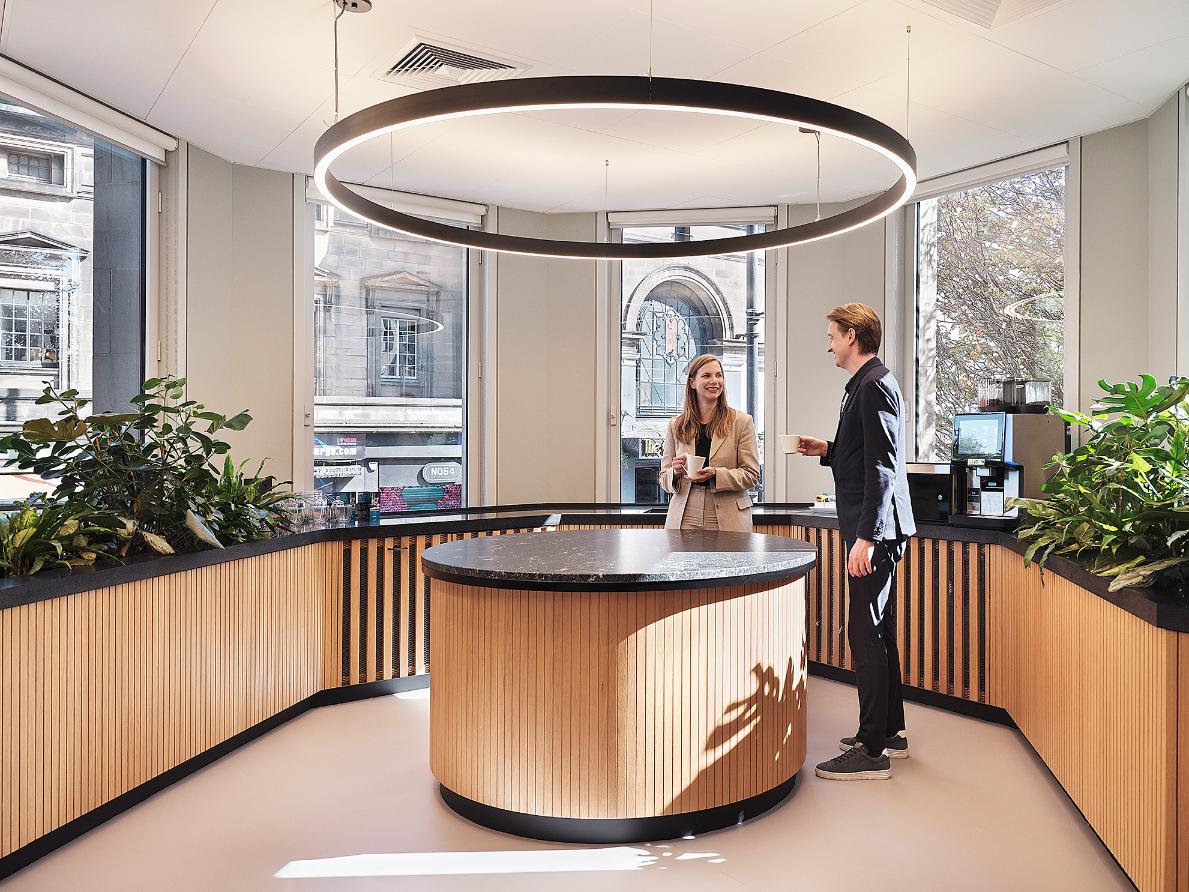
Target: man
[(875, 518)]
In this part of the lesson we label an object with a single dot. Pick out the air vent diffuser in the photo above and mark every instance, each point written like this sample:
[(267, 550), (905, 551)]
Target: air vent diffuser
[(428, 65), (990, 13)]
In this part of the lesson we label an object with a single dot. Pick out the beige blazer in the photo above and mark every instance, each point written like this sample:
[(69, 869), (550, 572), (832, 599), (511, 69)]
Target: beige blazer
[(736, 464)]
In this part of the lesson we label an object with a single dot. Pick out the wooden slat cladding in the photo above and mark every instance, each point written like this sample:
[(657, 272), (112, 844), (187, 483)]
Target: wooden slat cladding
[(617, 704), (107, 689), (941, 598), (1182, 739), (1095, 691), (382, 599)]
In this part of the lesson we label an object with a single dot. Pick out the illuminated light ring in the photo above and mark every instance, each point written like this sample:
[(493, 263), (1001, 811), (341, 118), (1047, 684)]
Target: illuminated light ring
[(424, 325), (657, 94), (1015, 308)]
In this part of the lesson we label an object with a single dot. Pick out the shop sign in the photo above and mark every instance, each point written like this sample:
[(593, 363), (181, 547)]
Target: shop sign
[(442, 472), (342, 449), (324, 471)]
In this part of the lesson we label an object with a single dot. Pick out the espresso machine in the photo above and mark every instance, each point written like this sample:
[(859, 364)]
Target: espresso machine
[(999, 456)]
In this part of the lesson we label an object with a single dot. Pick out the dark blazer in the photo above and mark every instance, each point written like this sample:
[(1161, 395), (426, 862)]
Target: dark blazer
[(867, 458)]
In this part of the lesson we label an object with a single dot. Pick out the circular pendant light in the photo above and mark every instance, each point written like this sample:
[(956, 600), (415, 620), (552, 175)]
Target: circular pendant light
[(613, 92)]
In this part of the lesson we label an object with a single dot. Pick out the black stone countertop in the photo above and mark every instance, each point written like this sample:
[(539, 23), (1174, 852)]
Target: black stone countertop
[(619, 560), (1165, 612)]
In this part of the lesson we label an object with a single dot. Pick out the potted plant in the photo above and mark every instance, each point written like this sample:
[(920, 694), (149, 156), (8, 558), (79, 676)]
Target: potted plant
[(150, 473), (1119, 504)]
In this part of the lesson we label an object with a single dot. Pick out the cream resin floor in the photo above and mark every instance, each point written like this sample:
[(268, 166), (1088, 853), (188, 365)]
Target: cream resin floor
[(342, 799)]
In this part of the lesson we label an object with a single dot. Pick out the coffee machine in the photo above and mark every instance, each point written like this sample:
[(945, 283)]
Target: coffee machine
[(999, 456)]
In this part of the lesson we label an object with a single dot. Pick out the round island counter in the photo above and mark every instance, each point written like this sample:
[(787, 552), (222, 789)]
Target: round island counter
[(617, 685)]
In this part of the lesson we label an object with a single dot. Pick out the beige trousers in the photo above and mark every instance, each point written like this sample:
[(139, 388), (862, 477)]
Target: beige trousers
[(700, 513)]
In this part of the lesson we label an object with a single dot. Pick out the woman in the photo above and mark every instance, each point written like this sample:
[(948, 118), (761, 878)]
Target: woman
[(714, 498)]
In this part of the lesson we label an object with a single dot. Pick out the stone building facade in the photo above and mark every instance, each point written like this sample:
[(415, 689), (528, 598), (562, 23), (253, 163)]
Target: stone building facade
[(671, 312), (46, 240), (389, 361)]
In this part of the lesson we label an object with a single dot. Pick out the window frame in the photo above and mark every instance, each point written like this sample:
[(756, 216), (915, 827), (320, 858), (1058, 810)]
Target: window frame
[(70, 108), (609, 346), (474, 434), (901, 290)]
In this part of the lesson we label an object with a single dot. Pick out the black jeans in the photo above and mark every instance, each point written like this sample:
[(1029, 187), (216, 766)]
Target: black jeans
[(871, 631)]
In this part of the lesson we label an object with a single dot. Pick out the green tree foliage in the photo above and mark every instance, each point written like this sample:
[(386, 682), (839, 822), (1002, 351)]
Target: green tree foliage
[(1000, 275)]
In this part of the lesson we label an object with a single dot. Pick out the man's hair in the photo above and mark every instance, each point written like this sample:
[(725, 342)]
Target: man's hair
[(865, 322)]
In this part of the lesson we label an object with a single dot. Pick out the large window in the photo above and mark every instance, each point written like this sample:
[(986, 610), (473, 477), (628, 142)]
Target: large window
[(390, 317), (72, 243), (990, 297), (672, 311)]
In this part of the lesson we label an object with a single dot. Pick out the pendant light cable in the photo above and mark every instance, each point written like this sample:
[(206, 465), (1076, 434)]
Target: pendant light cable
[(337, 16), (818, 135), (650, 2), (907, 79)]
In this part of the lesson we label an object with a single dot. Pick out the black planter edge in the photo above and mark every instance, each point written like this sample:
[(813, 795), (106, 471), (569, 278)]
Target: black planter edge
[(984, 711), (1156, 609), (609, 831), (55, 839)]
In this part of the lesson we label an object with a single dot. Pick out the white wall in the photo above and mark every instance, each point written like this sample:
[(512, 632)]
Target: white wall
[(239, 303), (545, 347), (821, 275), (1163, 224), (1115, 262)]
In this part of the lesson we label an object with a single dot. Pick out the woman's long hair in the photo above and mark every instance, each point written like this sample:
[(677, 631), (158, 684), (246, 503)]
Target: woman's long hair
[(685, 425)]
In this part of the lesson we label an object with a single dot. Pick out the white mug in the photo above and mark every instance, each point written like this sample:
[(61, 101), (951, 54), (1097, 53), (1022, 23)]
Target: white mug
[(693, 464), (790, 443)]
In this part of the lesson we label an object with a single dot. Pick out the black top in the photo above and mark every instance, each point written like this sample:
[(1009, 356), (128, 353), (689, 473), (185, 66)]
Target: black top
[(867, 458), (702, 448), (619, 560), (1160, 610)]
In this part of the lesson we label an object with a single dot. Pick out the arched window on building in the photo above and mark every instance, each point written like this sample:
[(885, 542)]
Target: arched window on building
[(673, 334)]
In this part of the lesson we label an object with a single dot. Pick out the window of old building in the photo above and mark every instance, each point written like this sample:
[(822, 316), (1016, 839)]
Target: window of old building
[(29, 326)]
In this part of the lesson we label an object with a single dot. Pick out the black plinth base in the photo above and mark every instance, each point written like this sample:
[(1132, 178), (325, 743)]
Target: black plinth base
[(616, 830)]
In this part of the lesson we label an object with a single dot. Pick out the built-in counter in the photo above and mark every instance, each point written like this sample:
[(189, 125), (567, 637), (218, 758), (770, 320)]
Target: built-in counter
[(115, 682), (610, 685)]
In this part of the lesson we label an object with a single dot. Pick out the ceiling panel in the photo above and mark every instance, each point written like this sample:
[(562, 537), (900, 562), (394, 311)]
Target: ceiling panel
[(1077, 35), (680, 131), (140, 44), (755, 24), (1148, 76), (944, 142), (252, 82)]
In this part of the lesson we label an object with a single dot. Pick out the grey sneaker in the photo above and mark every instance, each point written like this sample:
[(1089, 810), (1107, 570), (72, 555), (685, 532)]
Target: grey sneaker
[(856, 764), (895, 747)]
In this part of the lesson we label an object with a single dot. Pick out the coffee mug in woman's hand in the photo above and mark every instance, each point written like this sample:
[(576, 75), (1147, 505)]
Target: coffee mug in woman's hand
[(812, 446)]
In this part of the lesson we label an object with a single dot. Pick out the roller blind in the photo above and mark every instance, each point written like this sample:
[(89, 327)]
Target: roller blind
[(464, 212), (60, 101)]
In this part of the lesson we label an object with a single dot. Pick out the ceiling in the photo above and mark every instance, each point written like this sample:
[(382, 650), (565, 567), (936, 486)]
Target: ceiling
[(251, 81)]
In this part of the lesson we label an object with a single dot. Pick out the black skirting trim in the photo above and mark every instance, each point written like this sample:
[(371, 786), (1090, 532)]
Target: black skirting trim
[(983, 711), (55, 839), (616, 830)]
